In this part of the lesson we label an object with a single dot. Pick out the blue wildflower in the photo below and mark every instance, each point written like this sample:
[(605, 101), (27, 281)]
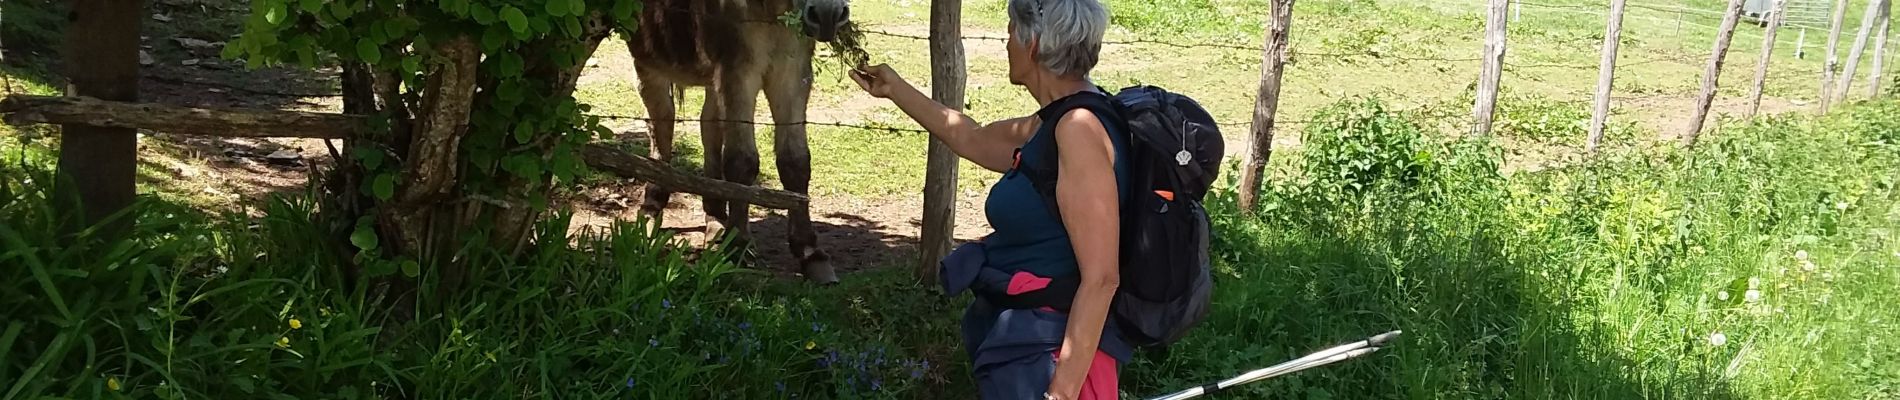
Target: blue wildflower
[(816, 327), (745, 325), (629, 383), (666, 303), (653, 342), (917, 373), (780, 386), (876, 383)]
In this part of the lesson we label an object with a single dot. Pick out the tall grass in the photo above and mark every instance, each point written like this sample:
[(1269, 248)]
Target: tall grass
[(1654, 275), (1760, 264)]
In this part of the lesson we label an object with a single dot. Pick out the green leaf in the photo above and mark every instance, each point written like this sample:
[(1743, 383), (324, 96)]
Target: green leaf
[(540, 25), (571, 26), (371, 157), (274, 13), (458, 8), (412, 64), (341, 11), (380, 268), (481, 14), (523, 132), (517, 21), (511, 64), (493, 39), (577, 7), (367, 51), (411, 269), (364, 237), (312, 6), (556, 7), (385, 186), (623, 9)]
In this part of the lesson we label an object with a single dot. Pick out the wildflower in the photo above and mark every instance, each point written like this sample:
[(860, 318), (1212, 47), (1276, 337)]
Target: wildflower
[(112, 383), (815, 327), (1754, 282), (1722, 295), (324, 311), (1751, 295), (877, 383), (779, 385), (653, 342), (810, 345), (295, 324), (1807, 266), (1718, 339), (666, 304), (629, 383), (745, 326), (1841, 206), (283, 341), (1801, 255), (916, 373)]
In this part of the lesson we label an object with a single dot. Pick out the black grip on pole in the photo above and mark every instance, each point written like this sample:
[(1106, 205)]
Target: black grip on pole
[(1210, 388)]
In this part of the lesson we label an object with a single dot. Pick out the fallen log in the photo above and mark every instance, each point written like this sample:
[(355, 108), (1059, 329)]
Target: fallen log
[(245, 123)]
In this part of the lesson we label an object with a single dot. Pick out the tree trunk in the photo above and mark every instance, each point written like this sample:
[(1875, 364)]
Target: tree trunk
[(1767, 55), (947, 76), (1495, 26), (1867, 21), (1711, 77), (1606, 75), (1266, 104), (1833, 58), (98, 164)]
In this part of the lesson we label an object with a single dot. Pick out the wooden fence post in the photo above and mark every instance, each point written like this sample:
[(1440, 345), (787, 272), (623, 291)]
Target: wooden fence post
[(1517, 10), (1496, 23), (1713, 75), (98, 165), (1266, 103), (1880, 50), (1767, 54), (1833, 44), (1867, 21), (1606, 74), (947, 76), (1801, 44)]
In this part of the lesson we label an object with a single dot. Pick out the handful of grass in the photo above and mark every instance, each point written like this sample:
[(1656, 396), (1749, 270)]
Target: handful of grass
[(849, 47)]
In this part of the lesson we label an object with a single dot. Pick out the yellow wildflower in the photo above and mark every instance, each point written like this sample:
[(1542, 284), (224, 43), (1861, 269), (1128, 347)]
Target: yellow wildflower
[(283, 341), (112, 384), (295, 324), (810, 345)]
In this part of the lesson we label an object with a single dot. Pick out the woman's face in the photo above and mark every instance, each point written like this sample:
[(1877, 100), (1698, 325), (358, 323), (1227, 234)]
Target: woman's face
[(1022, 58)]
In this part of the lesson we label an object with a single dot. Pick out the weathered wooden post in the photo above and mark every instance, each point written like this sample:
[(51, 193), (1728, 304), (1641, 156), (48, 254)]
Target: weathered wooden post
[(1767, 54), (1266, 103), (97, 165), (1880, 50), (1606, 74), (940, 177), (1710, 78), (1867, 22), (1713, 75), (1495, 26), (1832, 60)]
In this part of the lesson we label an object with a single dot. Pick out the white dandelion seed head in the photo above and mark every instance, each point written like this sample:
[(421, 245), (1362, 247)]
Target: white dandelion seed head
[(1808, 266), (1841, 206), (1722, 295), (1754, 282), (1801, 255), (1718, 339), (1751, 296)]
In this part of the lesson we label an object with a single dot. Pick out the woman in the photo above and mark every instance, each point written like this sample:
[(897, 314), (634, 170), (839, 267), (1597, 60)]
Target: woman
[(1026, 352)]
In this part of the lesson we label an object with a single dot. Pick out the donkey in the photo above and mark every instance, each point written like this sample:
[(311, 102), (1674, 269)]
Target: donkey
[(735, 49)]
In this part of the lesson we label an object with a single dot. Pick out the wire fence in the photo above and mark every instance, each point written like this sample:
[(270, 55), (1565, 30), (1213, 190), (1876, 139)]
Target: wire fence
[(1627, 60)]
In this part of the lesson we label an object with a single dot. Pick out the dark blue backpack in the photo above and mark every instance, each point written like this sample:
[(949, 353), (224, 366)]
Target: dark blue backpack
[(1173, 157)]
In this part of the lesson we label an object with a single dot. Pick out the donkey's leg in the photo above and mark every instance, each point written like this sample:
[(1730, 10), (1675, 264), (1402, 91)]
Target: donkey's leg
[(656, 93), (712, 141), (788, 90), (738, 96)]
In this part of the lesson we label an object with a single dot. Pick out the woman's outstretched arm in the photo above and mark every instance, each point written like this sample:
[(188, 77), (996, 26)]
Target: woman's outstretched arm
[(992, 146)]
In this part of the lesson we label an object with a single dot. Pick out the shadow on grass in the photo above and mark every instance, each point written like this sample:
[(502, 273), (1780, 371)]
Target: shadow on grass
[(1477, 324)]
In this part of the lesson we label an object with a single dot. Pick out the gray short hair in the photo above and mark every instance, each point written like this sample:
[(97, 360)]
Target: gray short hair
[(1069, 32)]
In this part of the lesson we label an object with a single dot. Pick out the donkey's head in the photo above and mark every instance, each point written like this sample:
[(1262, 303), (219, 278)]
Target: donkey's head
[(823, 18)]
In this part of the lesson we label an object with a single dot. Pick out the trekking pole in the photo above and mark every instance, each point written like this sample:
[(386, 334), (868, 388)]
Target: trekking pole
[(1323, 357)]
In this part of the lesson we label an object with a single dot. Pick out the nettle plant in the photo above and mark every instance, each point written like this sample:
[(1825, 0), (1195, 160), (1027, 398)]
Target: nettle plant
[(472, 118)]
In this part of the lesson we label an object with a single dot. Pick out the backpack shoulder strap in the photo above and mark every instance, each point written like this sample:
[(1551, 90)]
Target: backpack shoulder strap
[(1043, 177)]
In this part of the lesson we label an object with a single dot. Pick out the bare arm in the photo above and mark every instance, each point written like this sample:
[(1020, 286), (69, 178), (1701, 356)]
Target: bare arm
[(1089, 197), (992, 146)]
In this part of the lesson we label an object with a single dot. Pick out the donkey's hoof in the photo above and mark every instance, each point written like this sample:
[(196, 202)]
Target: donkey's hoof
[(817, 268)]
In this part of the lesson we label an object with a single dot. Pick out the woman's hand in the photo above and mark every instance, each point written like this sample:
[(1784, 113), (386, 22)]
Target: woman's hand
[(878, 80)]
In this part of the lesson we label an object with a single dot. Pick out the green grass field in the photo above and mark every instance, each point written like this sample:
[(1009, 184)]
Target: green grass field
[(1762, 264)]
